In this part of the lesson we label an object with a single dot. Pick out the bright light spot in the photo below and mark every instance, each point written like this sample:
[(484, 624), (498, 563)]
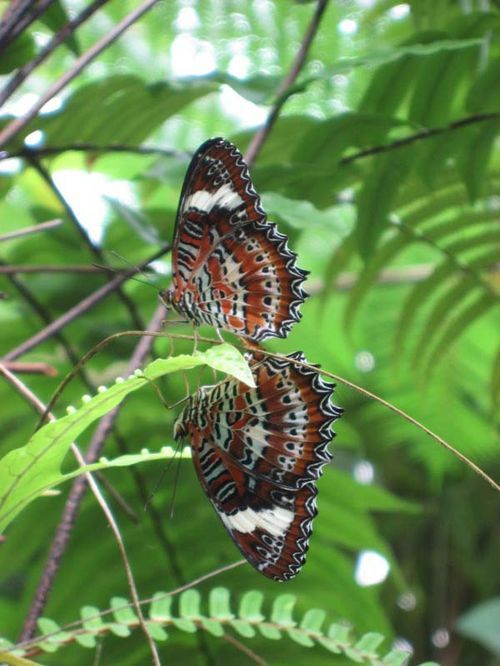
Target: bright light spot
[(364, 361), (399, 11), (348, 27), (340, 80), (191, 56), (34, 139), (402, 644), (85, 194), (364, 472), (239, 66), (371, 568), (41, 38), (187, 19), (12, 165), (246, 112), (52, 105), (407, 601), (440, 638), (366, 4), (161, 267), (20, 106)]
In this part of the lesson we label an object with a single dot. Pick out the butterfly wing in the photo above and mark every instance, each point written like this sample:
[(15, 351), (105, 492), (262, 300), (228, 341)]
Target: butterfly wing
[(258, 453), (232, 269)]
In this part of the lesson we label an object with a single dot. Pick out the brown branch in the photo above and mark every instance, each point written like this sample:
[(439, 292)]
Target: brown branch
[(96, 251), (71, 509), (45, 316), (23, 72), (33, 368), (49, 151), (36, 228), (18, 17), (419, 136), (286, 86), (78, 310), (16, 125)]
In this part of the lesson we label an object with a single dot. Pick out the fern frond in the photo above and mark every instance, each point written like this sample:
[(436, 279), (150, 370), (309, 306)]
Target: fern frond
[(184, 612)]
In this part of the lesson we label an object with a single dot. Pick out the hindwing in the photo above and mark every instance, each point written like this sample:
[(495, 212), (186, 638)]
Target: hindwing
[(258, 452)]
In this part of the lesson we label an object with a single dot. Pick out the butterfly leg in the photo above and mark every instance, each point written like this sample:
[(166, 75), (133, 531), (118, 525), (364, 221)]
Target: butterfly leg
[(195, 338), (219, 334)]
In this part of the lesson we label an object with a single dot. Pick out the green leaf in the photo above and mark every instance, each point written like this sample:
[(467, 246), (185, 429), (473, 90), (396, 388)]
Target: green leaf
[(465, 318), (484, 95), (369, 643), (122, 611), (185, 625), (375, 201), (219, 604), (396, 658), (160, 608), (213, 627), (27, 472), (282, 610), (47, 626), (476, 155), (93, 109), (243, 628), (18, 53), (91, 618), (55, 17), (250, 606), (313, 620), (189, 604), (156, 632)]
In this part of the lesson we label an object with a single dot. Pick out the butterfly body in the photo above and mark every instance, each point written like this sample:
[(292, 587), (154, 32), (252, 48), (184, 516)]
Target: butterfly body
[(232, 269), (258, 453)]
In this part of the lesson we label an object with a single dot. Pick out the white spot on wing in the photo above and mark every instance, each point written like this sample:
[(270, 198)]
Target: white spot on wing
[(275, 521), (224, 197)]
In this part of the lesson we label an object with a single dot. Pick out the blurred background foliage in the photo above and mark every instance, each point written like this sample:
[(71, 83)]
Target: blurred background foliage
[(403, 250)]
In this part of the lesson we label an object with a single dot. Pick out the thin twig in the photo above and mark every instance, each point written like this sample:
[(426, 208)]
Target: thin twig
[(16, 125), (342, 380), (78, 310), (257, 659), (419, 136), (45, 316), (23, 72), (50, 151), (398, 411), (79, 228), (36, 228), (32, 368), (77, 492), (286, 86), (61, 268), (18, 18), (372, 396)]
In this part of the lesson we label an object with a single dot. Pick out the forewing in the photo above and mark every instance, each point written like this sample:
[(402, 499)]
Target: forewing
[(237, 267)]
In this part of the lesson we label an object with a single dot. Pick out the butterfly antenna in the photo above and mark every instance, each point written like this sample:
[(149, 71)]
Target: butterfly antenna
[(162, 476), (138, 269)]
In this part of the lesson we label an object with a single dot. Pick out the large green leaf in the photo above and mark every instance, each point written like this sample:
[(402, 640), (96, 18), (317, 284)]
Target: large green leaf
[(118, 109), (27, 472)]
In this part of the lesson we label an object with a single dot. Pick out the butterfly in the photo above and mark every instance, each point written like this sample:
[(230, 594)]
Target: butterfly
[(231, 268), (258, 453)]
